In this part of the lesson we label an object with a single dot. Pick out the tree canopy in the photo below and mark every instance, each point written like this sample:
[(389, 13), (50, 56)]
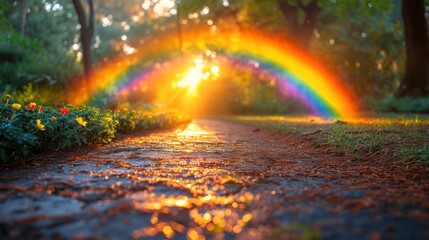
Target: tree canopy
[(361, 41)]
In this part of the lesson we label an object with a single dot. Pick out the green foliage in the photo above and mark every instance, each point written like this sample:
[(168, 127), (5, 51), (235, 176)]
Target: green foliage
[(14, 140), (50, 22), (100, 127), (4, 24), (350, 142), (127, 121), (36, 50), (297, 231), (48, 95), (142, 119), (413, 105), (24, 60), (63, 130), (32, 128), (389, 135), (419, 155), (17, 54), (366, 49)]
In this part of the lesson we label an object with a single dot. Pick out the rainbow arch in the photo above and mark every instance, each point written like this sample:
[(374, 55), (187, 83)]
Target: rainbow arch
[(295, 72)]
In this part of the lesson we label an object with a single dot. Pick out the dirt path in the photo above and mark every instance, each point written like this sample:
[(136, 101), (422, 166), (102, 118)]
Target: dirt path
[(214, 179)]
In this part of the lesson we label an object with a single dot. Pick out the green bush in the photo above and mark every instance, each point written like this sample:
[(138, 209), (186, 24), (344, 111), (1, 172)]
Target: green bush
[(404, 105), (127, 120), (143, 119), (100, 126), (32, 128), (69, 127), (15, 141)]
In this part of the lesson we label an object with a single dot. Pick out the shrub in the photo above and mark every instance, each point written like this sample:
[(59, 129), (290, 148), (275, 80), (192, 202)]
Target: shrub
[(410, 105), (31, 128), (15, 141), (127, 120), (143, 119)]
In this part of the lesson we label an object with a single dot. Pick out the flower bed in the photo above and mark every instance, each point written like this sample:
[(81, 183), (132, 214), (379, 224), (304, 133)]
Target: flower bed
[(31, 128)]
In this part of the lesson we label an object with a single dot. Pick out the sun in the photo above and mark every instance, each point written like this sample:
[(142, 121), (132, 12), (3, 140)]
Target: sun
[(191, 80), (200, 71)]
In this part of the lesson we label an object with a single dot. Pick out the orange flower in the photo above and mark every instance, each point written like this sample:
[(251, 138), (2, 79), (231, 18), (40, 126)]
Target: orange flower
[(31, 106), (64, 110), (116, 110), (40, 109), (54, 118)]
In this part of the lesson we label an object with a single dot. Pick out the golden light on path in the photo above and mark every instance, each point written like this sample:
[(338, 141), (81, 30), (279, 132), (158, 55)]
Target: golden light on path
[(194, 130), (189, 191)]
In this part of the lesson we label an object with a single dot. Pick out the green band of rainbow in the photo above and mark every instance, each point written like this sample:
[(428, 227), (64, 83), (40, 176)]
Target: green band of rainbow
[(295, 71)]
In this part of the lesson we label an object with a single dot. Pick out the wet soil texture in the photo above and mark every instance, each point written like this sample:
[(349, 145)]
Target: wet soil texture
[(211, 180)]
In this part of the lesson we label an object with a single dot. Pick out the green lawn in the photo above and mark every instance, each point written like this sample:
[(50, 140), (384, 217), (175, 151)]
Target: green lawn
[(395, 135)]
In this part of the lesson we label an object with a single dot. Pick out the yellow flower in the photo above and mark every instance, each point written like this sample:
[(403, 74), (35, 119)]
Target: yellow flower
[(39, 125), (81, 122), (16, 106), (8, 96), (108, 119)]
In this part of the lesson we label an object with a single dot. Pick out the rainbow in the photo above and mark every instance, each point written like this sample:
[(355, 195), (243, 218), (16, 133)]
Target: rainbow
[(296, 73)]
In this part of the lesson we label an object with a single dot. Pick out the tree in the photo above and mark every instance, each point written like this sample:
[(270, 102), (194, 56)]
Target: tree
[(41, 56), (415, 82), (24, 17), (302, 29), (365, 50), (86, 34)]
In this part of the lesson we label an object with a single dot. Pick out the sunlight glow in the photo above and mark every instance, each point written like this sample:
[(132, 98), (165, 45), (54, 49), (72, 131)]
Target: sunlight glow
[(193, 130), (191, 80), (105, 22), (128, 49), (184, 82), (163, 7), (196, 74), (146, 5)]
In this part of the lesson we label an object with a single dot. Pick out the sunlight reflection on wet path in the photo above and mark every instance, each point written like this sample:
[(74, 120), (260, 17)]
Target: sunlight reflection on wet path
[(204, 194), (207, 180), (198, 182)]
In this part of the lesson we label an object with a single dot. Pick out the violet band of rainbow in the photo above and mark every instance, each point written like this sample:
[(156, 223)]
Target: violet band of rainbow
[(295, 72)]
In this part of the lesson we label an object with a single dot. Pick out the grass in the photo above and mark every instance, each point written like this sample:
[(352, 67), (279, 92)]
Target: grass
[(352, 143), (420, 155), (296, 230), (399, 135)]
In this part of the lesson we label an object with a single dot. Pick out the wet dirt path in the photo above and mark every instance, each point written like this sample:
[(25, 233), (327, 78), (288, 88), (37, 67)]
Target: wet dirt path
[(207, 180)]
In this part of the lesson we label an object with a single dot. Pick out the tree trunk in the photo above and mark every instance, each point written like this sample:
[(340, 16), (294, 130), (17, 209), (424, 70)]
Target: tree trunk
[(312, 11), (416, 79), (86, 33), (24, 17), (179, 26), (300, 31)]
